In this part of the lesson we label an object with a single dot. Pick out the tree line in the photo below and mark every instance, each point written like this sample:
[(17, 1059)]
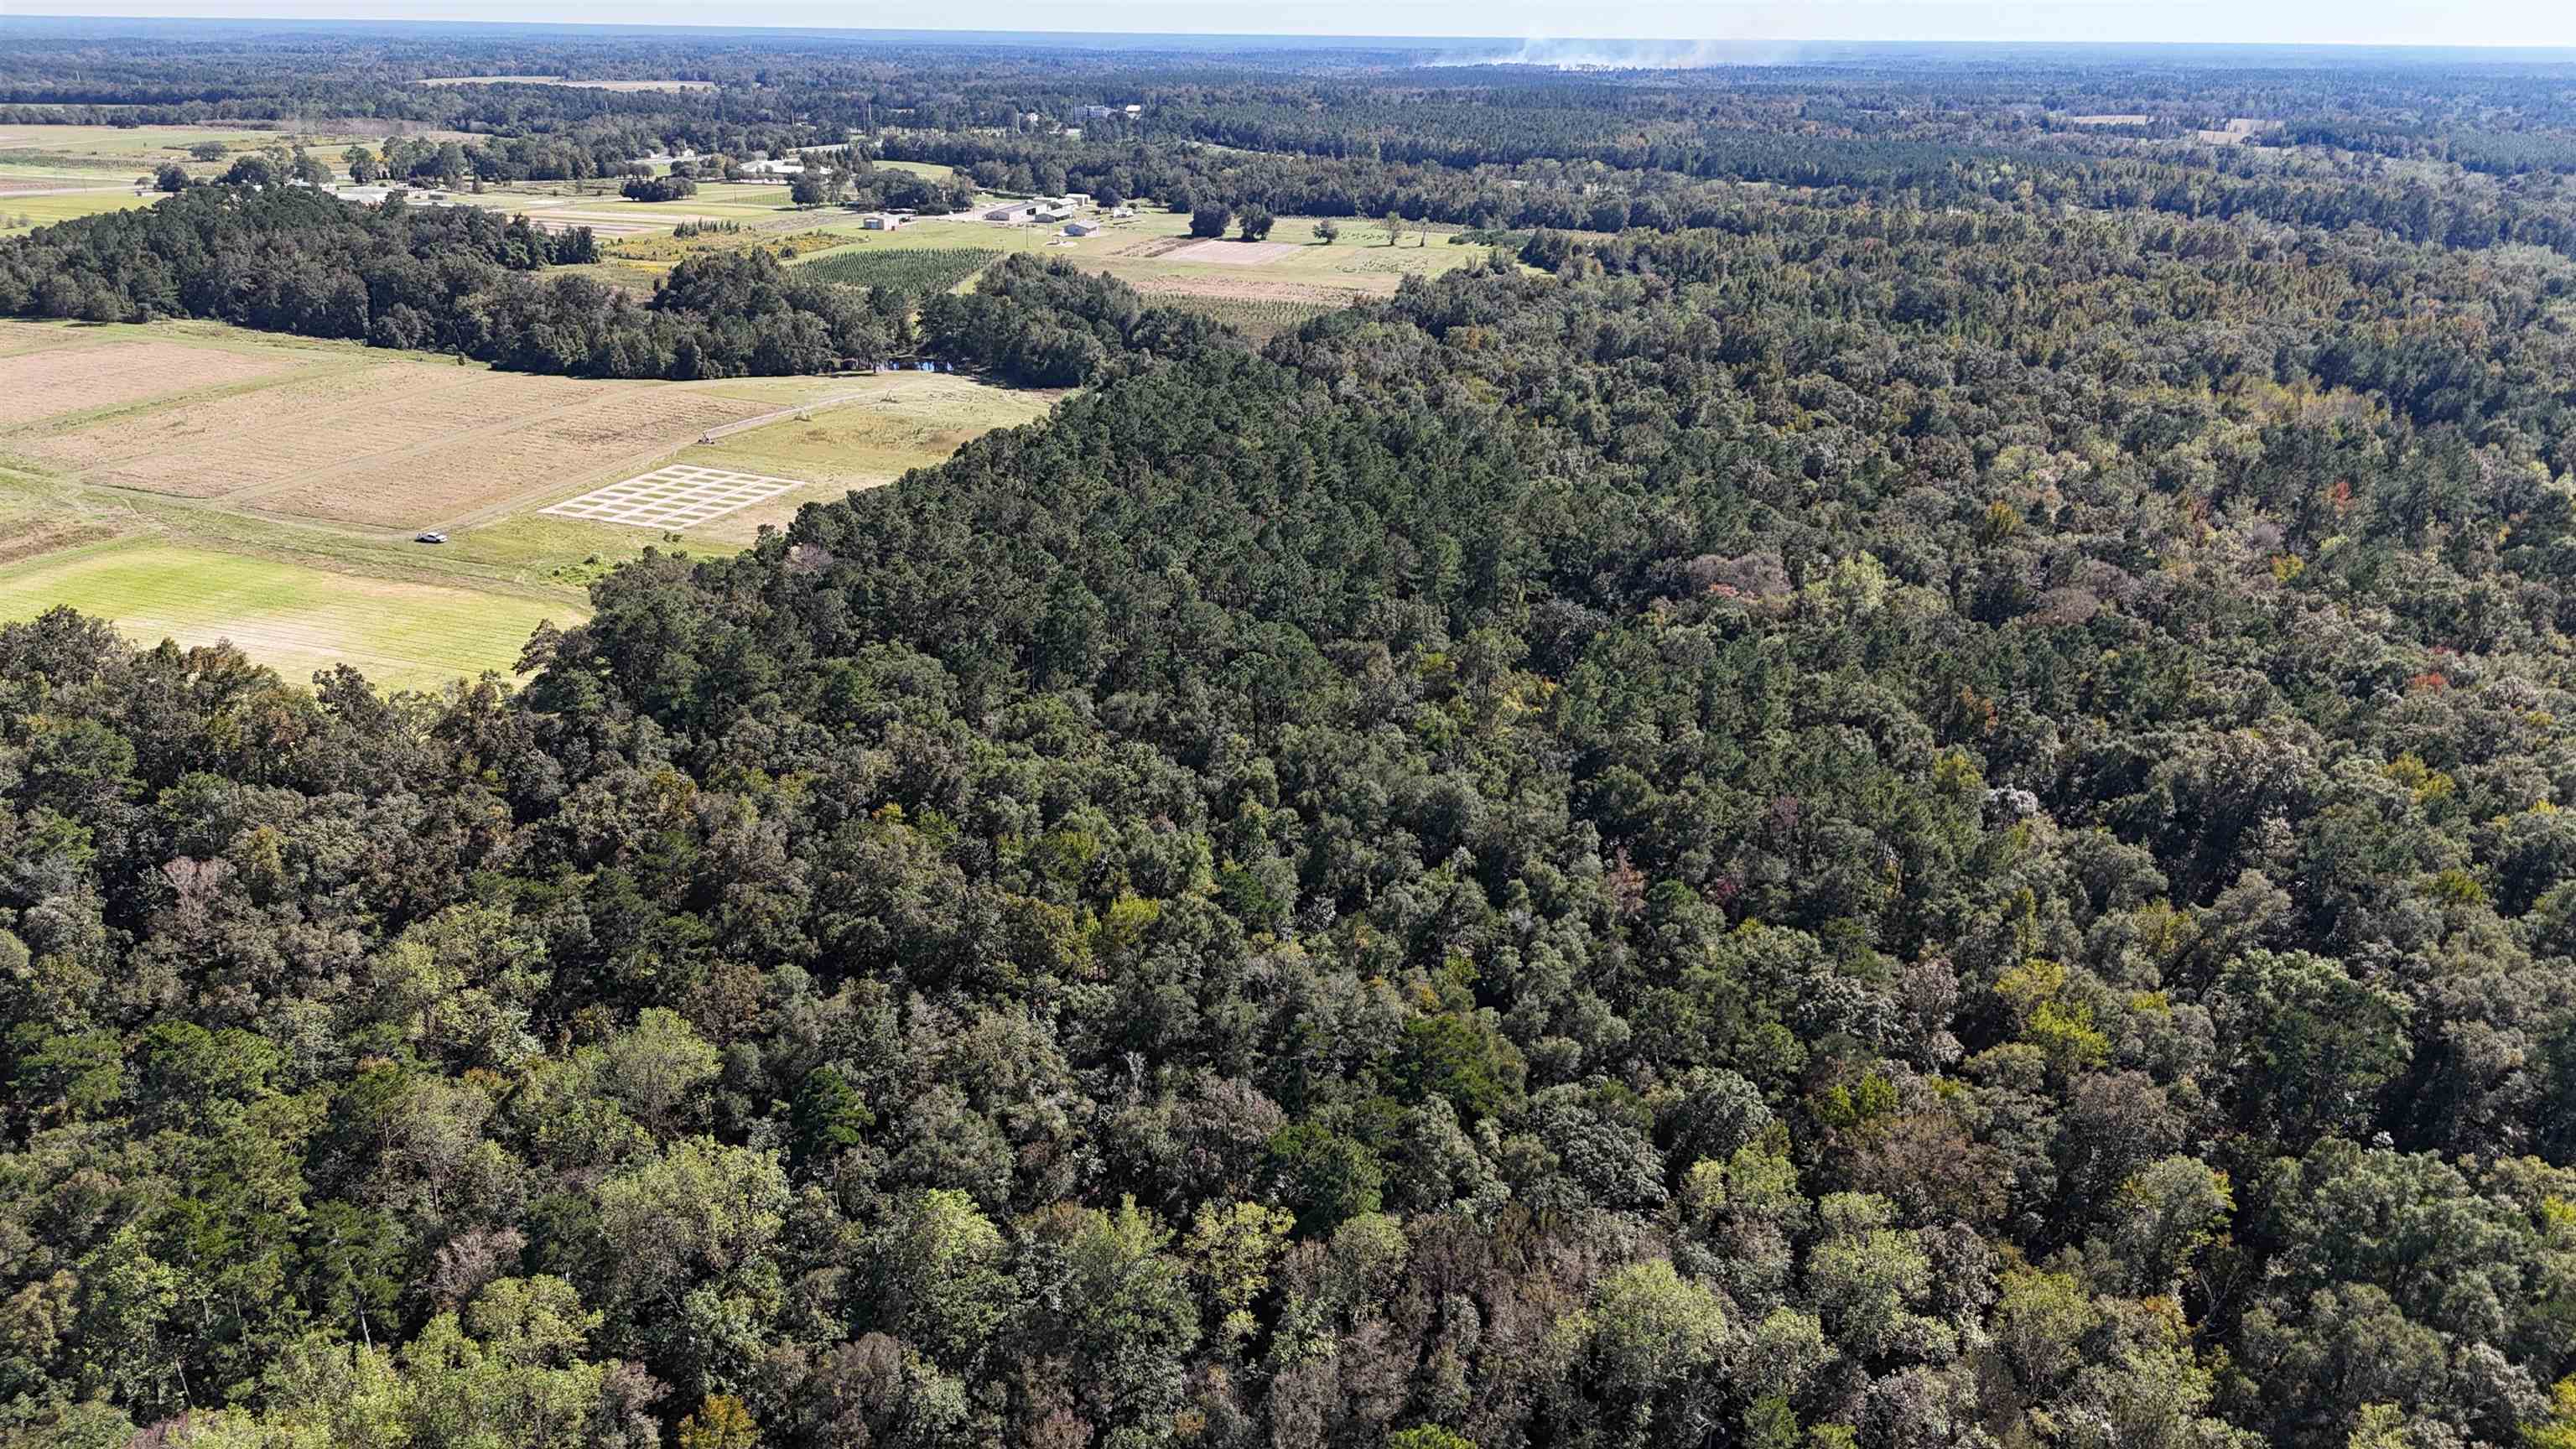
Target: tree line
[(442, 279)]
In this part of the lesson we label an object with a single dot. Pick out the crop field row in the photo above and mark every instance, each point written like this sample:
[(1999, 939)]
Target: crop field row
[(681, 496), (780, 238), (1256, 318), (916, 273)]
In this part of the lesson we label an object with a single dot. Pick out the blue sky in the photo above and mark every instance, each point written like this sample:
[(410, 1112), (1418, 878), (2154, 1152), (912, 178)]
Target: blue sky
[(2350, 22)]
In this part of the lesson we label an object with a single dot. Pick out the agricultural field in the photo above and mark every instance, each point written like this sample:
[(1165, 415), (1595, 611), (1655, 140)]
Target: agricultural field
[(292, 617), (913, 420), (24, 211), (344, 436), (780, 237), (1259, 286), (82, 377), (125, 152), (1256, 318), (198, 481), (919, 272), (762, 211), (683, 495)]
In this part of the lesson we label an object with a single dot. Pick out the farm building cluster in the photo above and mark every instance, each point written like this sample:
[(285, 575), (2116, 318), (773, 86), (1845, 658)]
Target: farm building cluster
[(1075, 212)]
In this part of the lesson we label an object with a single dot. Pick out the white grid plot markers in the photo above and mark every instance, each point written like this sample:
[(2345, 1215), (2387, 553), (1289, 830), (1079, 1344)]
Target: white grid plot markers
[(676, 497)]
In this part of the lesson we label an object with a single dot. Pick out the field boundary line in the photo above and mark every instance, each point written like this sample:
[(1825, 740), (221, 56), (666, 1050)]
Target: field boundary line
[(727, 430), (71, 190), (31, 562)]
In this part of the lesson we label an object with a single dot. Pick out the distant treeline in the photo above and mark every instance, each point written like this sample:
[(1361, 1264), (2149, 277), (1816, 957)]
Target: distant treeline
[(1584, 195), (446, 279)]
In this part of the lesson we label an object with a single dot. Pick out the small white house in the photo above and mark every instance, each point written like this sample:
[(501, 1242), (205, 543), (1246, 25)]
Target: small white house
[(880, 221), (1080, 228)]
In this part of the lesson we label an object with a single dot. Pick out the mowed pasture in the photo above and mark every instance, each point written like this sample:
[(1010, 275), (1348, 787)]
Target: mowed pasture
[(338, 435), (75, 375), (1262, 286), (599, 203), (124, 146), (291, 617), (103, 154), (21, 212), (911, 420)]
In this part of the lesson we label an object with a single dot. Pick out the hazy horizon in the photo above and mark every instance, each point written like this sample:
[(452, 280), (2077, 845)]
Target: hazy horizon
[(1833, 22)]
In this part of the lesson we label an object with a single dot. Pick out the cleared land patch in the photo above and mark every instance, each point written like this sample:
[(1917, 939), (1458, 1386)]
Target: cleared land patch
[(309, 478), (391, 443), (26, 212), (1232, 253), (290, 617), (79, 376), (441, 478), (1257, 318), (681, 496), (52, 185), (267, 441), (920, 420)]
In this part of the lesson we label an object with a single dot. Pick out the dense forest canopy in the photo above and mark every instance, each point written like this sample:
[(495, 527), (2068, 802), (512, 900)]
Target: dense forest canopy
[(1924, 807)]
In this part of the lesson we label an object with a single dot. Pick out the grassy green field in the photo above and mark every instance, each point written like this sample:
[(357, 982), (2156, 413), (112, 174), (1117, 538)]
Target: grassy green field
[(917, 419), (1259, 291), (1138, 250), (292, 618), (124, 144), (121, 153), (21, 214)]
